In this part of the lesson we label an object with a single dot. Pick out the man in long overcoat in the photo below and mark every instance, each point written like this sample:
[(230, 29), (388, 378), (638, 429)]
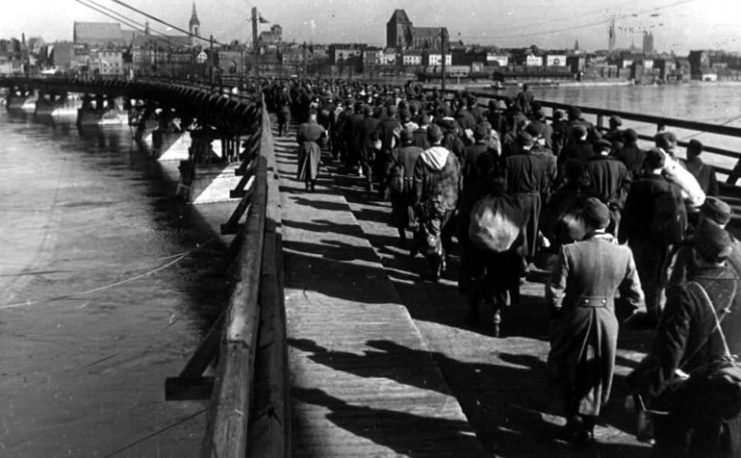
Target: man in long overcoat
[(404, 159), (581, 296), (310, 136)]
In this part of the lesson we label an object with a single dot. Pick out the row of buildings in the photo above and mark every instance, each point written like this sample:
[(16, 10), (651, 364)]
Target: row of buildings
[(108, 49)]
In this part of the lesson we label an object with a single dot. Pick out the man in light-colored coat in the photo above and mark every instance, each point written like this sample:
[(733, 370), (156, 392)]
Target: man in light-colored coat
[(581, 296)]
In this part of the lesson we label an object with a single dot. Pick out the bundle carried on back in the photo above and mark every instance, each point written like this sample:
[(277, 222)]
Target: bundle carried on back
[(495, 224)]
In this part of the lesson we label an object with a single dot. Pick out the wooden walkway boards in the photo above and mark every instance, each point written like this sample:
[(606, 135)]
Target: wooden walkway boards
[(364, 383)]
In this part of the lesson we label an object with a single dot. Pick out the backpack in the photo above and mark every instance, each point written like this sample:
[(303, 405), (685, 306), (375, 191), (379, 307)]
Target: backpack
[(495, 223), (669, 219)]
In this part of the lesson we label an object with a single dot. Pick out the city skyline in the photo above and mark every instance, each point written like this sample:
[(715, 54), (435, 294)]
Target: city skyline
[(678, 25)]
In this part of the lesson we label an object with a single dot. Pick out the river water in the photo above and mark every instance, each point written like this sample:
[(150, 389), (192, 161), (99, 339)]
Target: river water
[(715, 103), (108, 285)]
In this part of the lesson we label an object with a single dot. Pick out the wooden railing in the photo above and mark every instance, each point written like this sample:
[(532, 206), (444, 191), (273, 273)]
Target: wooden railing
[(600, 114), (241, 422)]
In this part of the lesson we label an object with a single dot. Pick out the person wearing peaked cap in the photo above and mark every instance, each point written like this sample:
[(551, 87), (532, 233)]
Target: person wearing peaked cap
[(703, 173), (702, 418), (526, 176), (596, 214), (580, 295), (578, 147), (611, 180), (401, 184), (631, 154), (525, 140), (602, 145), (480, 147), (614, 134), (717, 211)]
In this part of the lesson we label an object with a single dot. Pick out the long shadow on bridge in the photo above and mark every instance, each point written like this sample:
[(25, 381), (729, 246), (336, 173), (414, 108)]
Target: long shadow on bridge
[(515, 414)]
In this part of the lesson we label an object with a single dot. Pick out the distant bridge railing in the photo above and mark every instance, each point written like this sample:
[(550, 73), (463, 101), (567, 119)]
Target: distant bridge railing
[(722, 133)]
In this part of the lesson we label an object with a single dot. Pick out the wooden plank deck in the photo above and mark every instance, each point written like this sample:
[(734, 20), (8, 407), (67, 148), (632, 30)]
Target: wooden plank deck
[(363, 380)]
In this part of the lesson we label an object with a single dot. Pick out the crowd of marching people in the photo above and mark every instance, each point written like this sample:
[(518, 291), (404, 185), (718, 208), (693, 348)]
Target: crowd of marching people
[(620, 228)]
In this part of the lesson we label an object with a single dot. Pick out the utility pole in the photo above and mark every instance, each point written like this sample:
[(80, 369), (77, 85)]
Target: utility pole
[(211, 59), (304, 61), (442, 52), (255, 48)]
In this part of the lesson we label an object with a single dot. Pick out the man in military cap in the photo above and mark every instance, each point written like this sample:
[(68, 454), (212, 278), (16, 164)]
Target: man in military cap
[(581, 297)]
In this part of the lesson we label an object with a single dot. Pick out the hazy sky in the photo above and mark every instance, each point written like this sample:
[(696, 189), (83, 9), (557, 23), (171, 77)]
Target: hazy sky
[(677, 25)]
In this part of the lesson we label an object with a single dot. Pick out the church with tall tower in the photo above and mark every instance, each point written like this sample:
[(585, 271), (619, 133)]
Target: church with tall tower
[(402, 34), (194, 26)]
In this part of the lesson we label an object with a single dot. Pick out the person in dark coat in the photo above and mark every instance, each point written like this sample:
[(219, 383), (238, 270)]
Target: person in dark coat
[(420, 135), (480, 135), (310, 136), (368, 128), (580, 148), (497, 117), (388, 131), (436, 187), (526, 176), (560, 222), (703, 173), (651, 255), (713, 211), (402, 197), (561, 133), (611, 180), (524, 101), (701, 422), (541, 129), (490, 275), (284, 112), (465, 118), (581, 297), (614, 133), (630, 154), (354, 135)]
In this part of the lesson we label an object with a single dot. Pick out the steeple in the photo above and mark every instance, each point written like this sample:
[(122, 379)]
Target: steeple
[(194, 26)]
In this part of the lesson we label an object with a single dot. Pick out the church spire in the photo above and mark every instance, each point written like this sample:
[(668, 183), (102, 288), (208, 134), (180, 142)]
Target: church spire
[(194, 26), (194, 17)]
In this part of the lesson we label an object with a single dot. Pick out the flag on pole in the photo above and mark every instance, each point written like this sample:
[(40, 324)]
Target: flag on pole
[(262, 20)]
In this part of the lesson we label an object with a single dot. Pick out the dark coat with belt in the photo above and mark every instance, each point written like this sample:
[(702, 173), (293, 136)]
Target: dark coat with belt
[(581, 294), (401, 204)]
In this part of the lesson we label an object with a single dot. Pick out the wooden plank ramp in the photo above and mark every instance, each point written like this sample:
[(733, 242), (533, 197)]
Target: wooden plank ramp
[(364, 383)]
